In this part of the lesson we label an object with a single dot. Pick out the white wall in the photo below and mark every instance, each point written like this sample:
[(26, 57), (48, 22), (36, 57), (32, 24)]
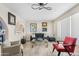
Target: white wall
[(58, 37), (63, 28), (73, 13), (39, 27), (68, 27), (75, 26), (12, 36)]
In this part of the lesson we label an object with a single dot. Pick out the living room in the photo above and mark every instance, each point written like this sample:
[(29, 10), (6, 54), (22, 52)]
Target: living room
[(31, 32)]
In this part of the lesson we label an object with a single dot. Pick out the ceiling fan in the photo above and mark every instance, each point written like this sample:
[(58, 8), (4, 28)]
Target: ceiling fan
[(40, 6)]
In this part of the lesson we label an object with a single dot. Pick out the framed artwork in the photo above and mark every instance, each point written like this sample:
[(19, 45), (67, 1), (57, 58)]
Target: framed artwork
[(11, 19), (33, 27), (19, 28), (44, 29), (44, 24)]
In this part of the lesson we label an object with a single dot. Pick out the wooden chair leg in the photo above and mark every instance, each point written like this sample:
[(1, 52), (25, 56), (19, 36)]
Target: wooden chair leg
[(69, 54), (53, 50), (22, 52), (32, 46), (68, 51), (59, 53)]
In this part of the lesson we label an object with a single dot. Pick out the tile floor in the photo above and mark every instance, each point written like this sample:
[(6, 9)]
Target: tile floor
[(41, 49)]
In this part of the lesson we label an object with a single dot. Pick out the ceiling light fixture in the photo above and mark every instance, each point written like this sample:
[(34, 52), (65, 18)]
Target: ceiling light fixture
[(40, 6)]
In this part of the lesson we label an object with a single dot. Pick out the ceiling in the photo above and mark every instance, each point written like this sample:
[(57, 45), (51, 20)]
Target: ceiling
[(25, 11)]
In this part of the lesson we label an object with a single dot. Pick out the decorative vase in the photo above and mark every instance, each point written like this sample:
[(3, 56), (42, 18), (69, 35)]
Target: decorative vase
[(23, 40)]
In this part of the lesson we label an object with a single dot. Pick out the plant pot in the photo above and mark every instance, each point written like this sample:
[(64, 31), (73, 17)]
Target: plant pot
[(23, 41)]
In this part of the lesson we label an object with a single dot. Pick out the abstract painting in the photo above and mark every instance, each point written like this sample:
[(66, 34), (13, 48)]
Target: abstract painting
[(33, 27)]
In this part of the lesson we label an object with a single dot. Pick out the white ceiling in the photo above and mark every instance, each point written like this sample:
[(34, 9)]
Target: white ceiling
[(25, 11)]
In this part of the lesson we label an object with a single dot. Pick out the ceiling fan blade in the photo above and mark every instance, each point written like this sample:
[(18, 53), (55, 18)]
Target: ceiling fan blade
[(35, 6), (40, 8), (48, 8), (45, 3)]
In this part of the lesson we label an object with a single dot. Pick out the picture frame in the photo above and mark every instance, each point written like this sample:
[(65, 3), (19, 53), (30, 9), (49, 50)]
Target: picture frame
[(33, 27), (44, 29), (19, 28), (44, 24), (11, 19)]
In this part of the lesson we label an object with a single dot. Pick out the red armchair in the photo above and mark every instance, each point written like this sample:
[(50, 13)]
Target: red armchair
[(67, 46)]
